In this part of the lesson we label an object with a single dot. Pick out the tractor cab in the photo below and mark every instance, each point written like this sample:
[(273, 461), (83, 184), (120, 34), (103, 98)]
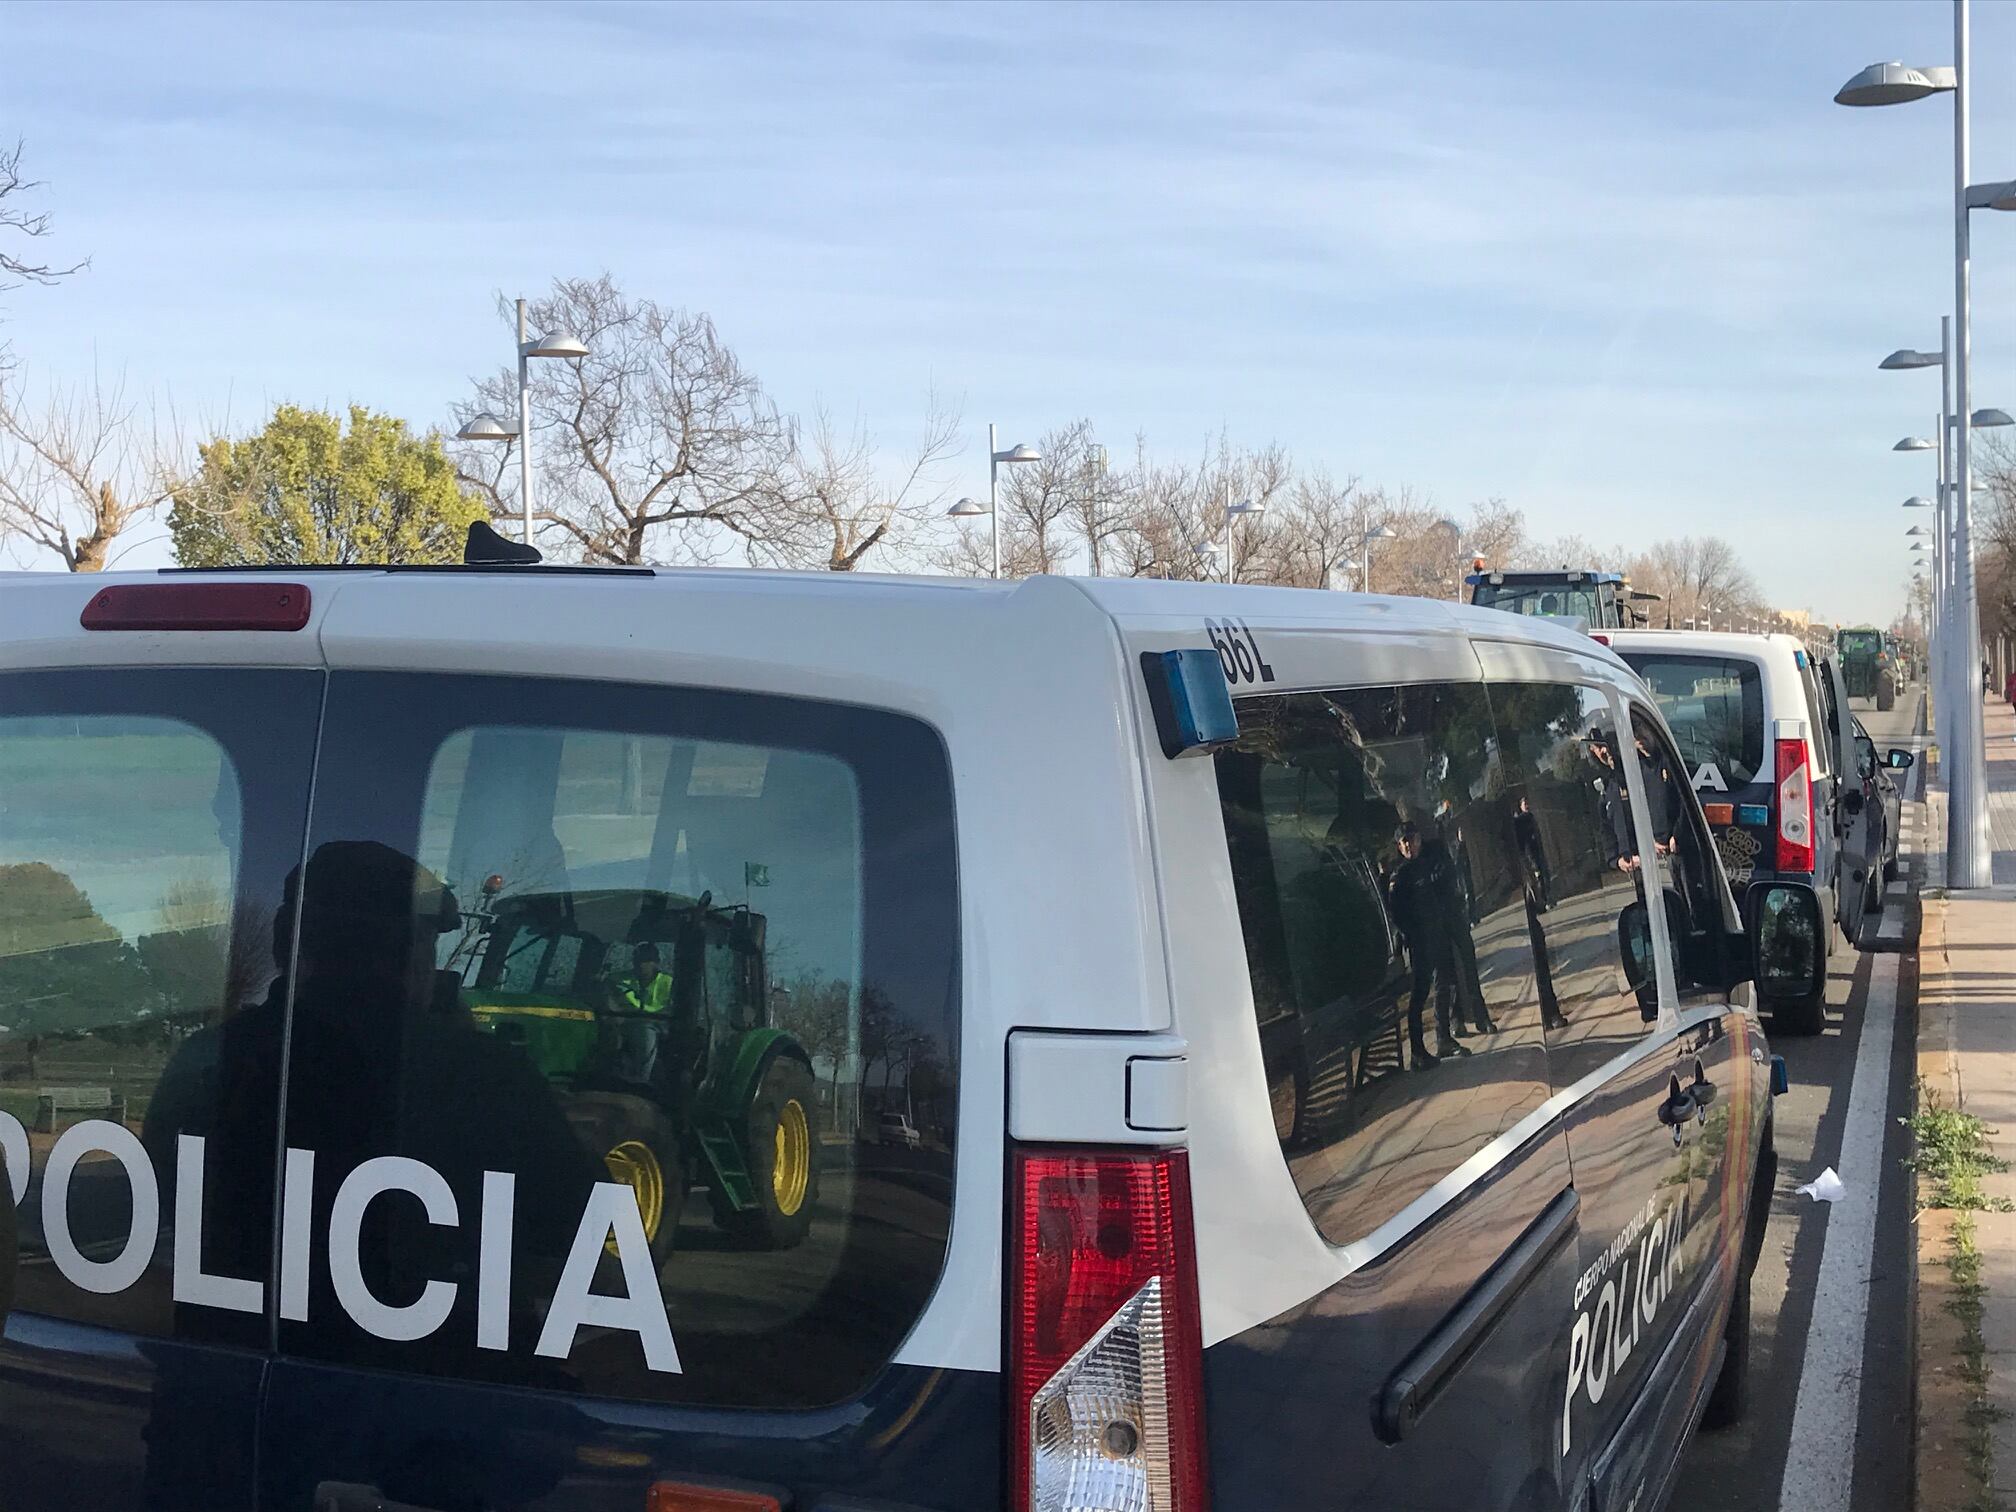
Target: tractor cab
[(1598, 600)]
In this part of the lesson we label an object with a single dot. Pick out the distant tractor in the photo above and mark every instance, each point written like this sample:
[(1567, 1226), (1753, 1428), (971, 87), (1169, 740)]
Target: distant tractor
[(681, 1082), (1601, 600), (1868, 665)]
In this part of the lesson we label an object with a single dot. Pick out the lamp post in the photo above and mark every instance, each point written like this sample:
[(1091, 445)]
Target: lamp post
[(969, 508), (1448, 527), (1342, 567), (1232, 510), (1969, 852), (487, 427), (1375, 534)]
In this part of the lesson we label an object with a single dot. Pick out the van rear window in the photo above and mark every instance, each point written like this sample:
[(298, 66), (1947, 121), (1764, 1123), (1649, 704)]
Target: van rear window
[(1715, 706), (640, 1003)]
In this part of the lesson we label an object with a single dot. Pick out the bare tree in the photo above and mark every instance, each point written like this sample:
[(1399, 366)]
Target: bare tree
[(833, 504), (74, 473), (1099, 506), (1322, 527), (1701, 578), (659, 426), (17, 221)]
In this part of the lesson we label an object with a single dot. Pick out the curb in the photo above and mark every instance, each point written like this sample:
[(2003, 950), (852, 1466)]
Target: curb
[(1941, 1477)]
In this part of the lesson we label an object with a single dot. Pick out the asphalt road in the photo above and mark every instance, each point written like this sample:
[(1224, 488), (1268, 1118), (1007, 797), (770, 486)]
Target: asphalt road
[(1829, 1426)]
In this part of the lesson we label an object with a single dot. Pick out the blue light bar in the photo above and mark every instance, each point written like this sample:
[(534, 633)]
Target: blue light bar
[(1753, 813), (1799, 659), (1191, 700), (1781, 1079)]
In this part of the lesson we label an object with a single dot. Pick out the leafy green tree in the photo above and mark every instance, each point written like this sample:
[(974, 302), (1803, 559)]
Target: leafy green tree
[(305, 489), (63, 969)]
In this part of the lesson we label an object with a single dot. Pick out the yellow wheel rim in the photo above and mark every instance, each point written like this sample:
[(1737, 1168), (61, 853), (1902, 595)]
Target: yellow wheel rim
[(633, 1163), (791, 1171)]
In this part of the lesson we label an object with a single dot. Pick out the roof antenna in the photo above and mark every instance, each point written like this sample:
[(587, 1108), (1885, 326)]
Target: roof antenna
[(486, 548)]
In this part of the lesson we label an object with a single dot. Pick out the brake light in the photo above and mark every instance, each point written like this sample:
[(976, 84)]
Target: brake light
[(671, 1496), (1106, 1353), (197, 606), (1795, 808), (1601, 640)]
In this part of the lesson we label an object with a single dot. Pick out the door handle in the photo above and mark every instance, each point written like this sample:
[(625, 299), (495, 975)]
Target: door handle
[(1675, 1110), (1703, 1091), (346, 1496)]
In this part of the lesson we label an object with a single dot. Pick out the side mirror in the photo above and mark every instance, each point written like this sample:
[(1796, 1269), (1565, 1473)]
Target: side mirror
[(1785, 941), (1898, 759)]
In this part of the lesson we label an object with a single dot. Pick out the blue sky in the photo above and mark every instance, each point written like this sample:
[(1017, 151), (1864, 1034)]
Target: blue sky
[(1626, 266)]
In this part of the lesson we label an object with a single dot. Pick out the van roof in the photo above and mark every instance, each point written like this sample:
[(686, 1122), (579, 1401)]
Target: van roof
[(45, 605)]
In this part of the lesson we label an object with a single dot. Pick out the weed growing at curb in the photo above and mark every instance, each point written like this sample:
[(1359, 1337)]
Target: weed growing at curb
[(1963, 1269), (1952, 1153)]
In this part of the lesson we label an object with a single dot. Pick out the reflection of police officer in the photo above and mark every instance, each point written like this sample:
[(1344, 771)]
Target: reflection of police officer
[(386, 1061), (1532, 855), (1427, 903)]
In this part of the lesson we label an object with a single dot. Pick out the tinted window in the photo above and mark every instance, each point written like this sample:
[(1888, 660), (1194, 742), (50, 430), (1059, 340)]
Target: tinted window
[(1383, 903), (1696, 913), (146, 823), (1581, 603), (1715, 705), (605, 995), (1580, 846)]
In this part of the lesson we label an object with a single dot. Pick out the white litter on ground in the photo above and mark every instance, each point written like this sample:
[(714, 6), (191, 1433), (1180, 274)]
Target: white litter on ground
[(1826, 1187)]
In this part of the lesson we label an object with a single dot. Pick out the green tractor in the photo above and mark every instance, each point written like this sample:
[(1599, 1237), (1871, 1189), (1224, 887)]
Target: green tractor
[(649, 1013), (1868, 665)]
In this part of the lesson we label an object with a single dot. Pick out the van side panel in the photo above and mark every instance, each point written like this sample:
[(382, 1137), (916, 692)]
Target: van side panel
[(1305, 1338)]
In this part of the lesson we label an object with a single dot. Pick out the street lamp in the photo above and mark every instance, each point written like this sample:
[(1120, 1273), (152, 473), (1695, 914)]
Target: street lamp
[(969, 508), (487, 427), (1969, 854), (1447, 526), (1343, 566), (1376, 533), (1243, 507)]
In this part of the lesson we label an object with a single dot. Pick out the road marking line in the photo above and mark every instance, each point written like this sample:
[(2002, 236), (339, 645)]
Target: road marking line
[(1820, 1461)]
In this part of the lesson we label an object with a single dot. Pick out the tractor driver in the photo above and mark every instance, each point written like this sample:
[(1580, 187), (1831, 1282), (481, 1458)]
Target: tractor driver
[(647, 993)]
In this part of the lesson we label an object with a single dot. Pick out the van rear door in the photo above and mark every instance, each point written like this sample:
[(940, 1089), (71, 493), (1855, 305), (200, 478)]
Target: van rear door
[(605, 992), (150, 817), (1714, 704), (1858, 816)]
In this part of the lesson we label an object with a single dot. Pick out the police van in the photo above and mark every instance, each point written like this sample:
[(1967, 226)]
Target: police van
[(1786, 776), (450, 1022)]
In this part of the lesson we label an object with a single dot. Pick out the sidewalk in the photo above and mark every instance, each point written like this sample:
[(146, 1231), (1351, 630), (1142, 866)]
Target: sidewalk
[(1966, 1436)]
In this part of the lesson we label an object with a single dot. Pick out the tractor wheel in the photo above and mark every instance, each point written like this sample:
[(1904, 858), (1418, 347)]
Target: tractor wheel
[(1886, 694), (782, 1156), (641, 1150)]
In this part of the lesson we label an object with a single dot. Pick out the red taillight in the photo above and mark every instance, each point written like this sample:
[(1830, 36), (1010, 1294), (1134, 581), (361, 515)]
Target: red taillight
[(1106, 1353), (197, 606), (1795, 808), (1601, 640), (676, 1496), (672, 1496)]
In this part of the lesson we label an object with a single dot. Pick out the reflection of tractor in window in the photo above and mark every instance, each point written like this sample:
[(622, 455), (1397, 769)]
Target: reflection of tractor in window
[(649, 1012)]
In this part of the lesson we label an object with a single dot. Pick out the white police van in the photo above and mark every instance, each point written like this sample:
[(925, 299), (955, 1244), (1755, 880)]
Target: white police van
[(448, 1018)]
